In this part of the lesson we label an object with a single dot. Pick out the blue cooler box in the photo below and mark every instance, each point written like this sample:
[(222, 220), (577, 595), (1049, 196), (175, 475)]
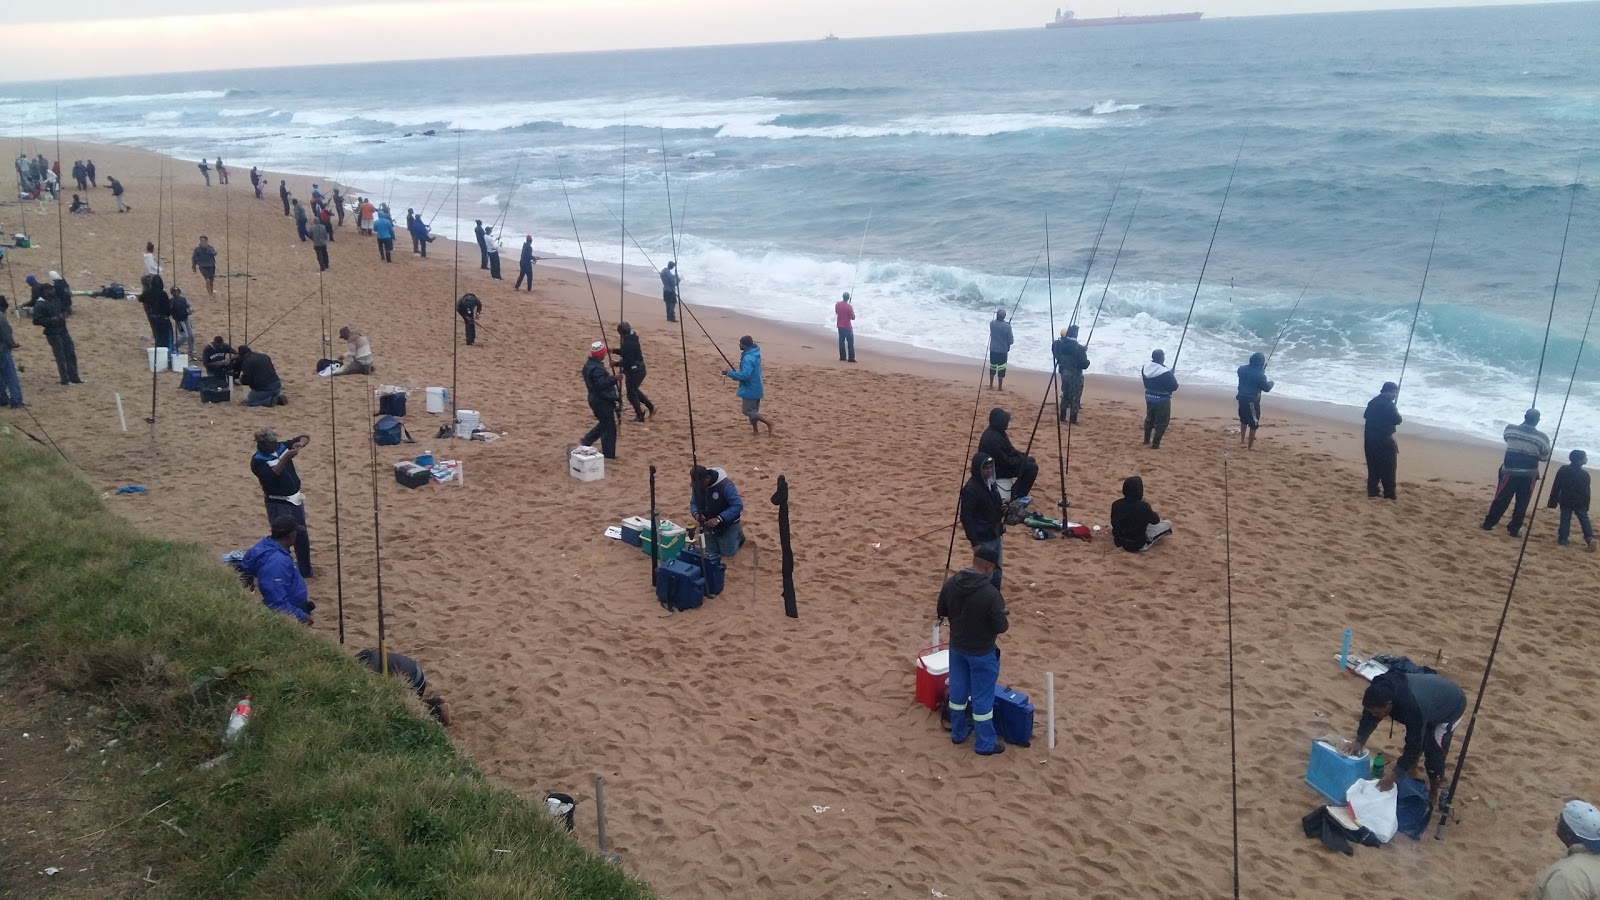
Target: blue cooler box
[(1013, 716), (679, 585), (1331, 773), (715, 571)]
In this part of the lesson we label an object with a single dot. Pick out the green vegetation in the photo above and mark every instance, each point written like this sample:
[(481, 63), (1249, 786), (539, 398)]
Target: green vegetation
[(339, 787)]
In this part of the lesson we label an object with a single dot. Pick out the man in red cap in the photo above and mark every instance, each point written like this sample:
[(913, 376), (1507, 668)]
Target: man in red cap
[(603, 400)]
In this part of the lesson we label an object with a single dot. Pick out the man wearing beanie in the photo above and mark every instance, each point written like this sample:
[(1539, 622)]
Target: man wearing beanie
[(1071, 359), (1570, 491), (1575, 876), (1526, 448), (1383, 454), (604, 400), (977, 614)]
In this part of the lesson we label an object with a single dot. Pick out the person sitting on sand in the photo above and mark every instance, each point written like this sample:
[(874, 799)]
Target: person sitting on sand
[(1253, 381), (971, 600), (1160, 383), (1570, 491), (257, 373), (716, 505), (751, 389), (357, 357), (217, 357), (1135, 527), (406, 668), (982, 512), (1575, 876), (283, 589), (79, 206), (1009, 462), (1429, 705), (1000, 340)]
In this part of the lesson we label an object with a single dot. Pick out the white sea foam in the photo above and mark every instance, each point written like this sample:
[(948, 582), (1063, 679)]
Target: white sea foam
[(1107, 107)]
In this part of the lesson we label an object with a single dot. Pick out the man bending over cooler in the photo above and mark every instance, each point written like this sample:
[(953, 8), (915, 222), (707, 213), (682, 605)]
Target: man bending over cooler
[(717, 506), (1429, 706)]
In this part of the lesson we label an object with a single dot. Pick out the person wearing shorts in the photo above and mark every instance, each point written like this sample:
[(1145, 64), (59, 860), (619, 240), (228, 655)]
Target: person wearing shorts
[(1253, 382), (750, 387), (1000, 338)]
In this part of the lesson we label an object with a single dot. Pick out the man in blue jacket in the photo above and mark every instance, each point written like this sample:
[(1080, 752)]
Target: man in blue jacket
[(717, 506), (1253, 381), (282, 588), (750, 388)]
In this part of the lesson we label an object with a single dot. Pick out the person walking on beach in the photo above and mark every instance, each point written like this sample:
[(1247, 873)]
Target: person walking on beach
[(116, 192), (255, 180), (257, 373), (670, 279), (283, 194), (1000, 339), (10, 385), (222, 171), (631, 360), (1160, 383), (982, 512), (273, 466), (301, 220), (204, 261), (971, 600), (483, 246), (751, 389), (383, 228), (88, 169), (603, 401), (844, 316), (469, 308), (1576, 876), (205, 170), (357, 358), (183, 332), (1570, 491), (492, 242), (319, 243), (525, 265), (1253, 381), (1430, 706), (1526, 448), (1135, 527), (1009, 462), (51, 316), (1383, 454), (282, 587), (1071, 361)]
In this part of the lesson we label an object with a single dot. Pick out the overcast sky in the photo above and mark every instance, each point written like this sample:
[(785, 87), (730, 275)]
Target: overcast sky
[(104, 37)]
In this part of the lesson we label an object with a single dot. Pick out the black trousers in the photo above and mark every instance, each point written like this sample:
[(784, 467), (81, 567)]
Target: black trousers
[(66, 355), (302, 540), (525, 271), (472, 329), (632, 379), (605, 427), (1026, 475), (1071, 395), (386, 249), (1518, 487), (322, 258), (847, 345), (672, 306), (1383, 457), (483, 254), (285, 199), (1156, 417), (494, 266)]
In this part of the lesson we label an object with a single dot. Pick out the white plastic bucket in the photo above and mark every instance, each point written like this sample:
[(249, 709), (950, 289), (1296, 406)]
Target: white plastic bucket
[(156, 357), (179, 361), (436, 399), (468, 418)]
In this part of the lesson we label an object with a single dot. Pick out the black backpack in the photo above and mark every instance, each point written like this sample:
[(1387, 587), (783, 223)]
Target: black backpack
[(467, 303)]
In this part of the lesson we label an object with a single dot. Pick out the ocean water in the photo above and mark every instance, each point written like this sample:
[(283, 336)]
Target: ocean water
[(1357, 131)]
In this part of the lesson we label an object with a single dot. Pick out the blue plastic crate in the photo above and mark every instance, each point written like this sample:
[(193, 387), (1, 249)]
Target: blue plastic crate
[(1330, 773)]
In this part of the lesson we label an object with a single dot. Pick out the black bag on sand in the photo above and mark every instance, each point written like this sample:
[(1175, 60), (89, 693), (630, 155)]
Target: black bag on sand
[(324, 363), (392, 404), (388, 431)]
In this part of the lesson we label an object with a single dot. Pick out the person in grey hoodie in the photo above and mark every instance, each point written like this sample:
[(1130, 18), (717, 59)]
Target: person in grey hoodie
[(1430, 706), (1000, 339), (977, 614)]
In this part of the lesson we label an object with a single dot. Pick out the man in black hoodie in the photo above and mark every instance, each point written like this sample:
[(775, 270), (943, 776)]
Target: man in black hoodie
[(603, 400), (982, 512), (1071, 360), (1135, 527), (631, 359), (1570, 491), (1009, 462), (49, 315), (483, 245), (977, 614), (1383, 454)]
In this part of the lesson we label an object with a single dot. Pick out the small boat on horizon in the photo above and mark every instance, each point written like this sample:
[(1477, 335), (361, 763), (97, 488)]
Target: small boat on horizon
[(1069, 19), (831, 37)]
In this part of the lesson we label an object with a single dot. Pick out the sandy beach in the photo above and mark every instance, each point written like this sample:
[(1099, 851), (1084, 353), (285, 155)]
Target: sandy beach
[(749, 755)]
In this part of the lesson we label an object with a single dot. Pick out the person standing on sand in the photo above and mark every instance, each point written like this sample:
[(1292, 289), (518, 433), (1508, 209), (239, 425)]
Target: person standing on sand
[(282, 587), (152, 266), (1160, 383), (383, 229), (255, 180), (1526, 448), (1430, 706), (324, 215), (982, 512), (1253, 381), (751, 389), (525, 265), (1383, 454), (257, 373), (844, 316), (1576, 876), (183, 331), (204, 261), (283, 194), (116, 191), (670, 280), (273, 466), (49, 315), (631, 359), (10, 386), (483, 246), (1135, 527), (300, 221), (469, 308), (492, 242), (365, 213), (80, 175), (419, 235), (319, 243), (157, 310), (971, 600), (1071, 361), (603, 401), (1000, 339), (88, 169), (1570, 491), (338, 206), (205, 170), (222, 171)]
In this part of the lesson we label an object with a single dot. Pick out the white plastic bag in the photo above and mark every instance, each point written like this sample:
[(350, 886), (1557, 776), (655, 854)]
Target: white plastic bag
[(1373, 809)]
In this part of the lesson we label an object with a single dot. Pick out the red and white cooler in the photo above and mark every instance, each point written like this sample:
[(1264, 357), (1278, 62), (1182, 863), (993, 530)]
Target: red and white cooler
[(933, 675)]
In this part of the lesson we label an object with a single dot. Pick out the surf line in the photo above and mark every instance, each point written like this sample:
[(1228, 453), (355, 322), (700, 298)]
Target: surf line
[(1447, 801), (1207, 261)]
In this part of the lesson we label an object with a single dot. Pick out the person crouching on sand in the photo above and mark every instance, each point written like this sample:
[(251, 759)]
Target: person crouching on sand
[(717, 506), (1253, 381), (282, 587), (751, 389), (971, 600), (257, 373), (1135, 527), (357, 357)]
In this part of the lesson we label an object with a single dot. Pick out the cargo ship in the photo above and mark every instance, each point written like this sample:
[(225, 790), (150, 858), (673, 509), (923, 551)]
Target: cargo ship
[(1068, 19)]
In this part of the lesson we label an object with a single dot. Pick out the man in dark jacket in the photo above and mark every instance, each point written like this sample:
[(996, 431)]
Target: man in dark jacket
[(603, 400), (1160, 383), (483, 246), (283, 194), (10, 387), (1009, 462), (982, 511), (50, 315), (301, 220), (669, 289), (1526, 448), (1253, 381), (1430, 706), (1000, 340), (717, 506), (631, 359), (1071, 360), (157, 310), (1383, 454), (525, 265), (1570, 491), (469, 308), (257, 373), (971, 600), (204, 260), (217, 357), (1135, 527), (407, 669), (273, 466)]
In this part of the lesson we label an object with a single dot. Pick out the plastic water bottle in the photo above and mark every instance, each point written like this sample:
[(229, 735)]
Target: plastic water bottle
[(1377, 766), (236, 722)]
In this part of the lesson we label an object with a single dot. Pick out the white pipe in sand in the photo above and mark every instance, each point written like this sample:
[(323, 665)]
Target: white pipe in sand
[(120, 416), (1050, 709), (935, 634)]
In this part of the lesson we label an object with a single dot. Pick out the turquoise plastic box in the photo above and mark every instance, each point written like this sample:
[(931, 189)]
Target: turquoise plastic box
[(1330, 773)]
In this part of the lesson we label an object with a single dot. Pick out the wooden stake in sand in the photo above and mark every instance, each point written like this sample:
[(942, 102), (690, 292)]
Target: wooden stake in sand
[(600, 818), (121, 418), (1050, 709)]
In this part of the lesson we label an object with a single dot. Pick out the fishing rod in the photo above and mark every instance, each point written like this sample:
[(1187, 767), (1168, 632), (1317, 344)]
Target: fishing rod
[(1417, 312), (155, 332), (1233, 732), (249, 218), (1290, 318), (61, 219), (1107, 289), (1207, 261), (455, 292), (1448, 800), (695, 489), (878, 546), (598, 319), (855, 274), (377, 546), (1050, 292), (682, 305), (512, 192), (286, 314), (333, 431), (442, 201), (977, 400), (1554, 290), (1094, 251), (622, 243), (227, 258)]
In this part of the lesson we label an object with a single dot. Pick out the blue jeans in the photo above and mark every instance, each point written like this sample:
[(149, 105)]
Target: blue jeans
[(10, 387), (847, 342), (973, 678), (1565, 531), (1000, 554), (265, 397), (726, 544)]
